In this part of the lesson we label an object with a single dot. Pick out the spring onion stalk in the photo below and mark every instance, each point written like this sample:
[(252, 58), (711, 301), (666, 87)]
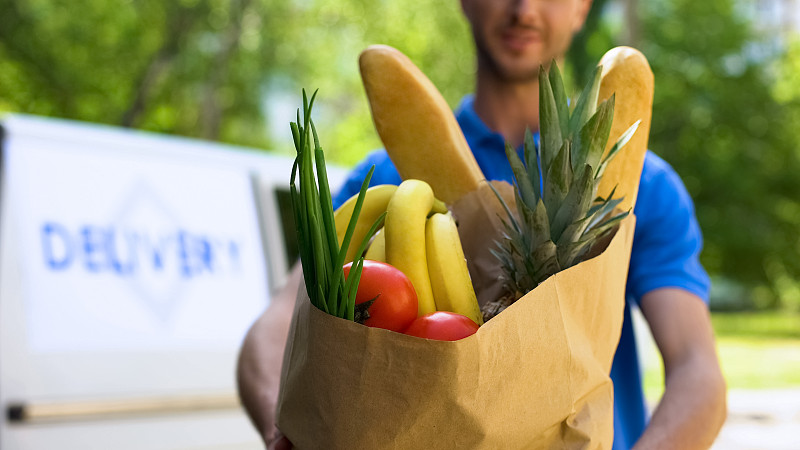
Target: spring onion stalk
[(320, 255)]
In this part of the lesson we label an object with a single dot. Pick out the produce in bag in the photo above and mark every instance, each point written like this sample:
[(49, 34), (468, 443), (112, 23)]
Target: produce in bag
[(420, 238), (534, 376)]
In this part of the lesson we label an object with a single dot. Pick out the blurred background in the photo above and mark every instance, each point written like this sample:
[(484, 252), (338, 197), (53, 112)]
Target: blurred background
[(726, 116)]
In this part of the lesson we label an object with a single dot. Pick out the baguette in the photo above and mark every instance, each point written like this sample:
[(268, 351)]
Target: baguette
[(627, 74), (416, 125)]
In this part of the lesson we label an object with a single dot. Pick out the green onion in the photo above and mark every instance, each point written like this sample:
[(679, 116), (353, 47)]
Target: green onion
[(320, 255)]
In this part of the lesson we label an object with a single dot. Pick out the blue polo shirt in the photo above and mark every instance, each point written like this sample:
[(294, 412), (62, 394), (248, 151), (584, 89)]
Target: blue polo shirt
[(666, 247)]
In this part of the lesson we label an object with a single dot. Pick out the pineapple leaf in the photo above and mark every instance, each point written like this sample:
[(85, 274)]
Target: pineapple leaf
[(600, 203), (575, 203), (547, 256), (531, 154), (560, 96), (626, 136), (587, 103), (514, 222), (608, 223), (595, 232), (559, 177), (572, 253), (507, 226), (510, 234), (550, 137), (606, 209), (569, 254), (516, 248), (523, 266), (523, 183), (536, 224), (540, 225), (573, 232), (501, 256), (591, 141)]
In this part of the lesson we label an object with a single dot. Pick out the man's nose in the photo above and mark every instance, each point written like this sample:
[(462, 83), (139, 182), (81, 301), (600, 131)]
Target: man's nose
[(525, 12)]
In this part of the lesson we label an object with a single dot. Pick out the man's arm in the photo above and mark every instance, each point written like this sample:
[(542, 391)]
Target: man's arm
[(259, 368), (693, 408)]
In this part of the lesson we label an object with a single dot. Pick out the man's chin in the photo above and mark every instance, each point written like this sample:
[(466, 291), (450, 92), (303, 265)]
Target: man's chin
[(512, 68), (518, 74)]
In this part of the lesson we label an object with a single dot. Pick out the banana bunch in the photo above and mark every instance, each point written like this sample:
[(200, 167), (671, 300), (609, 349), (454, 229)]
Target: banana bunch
[(420, 238), (375, 202)]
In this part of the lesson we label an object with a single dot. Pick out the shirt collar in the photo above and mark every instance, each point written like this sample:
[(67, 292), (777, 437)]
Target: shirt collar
[(477, 133)]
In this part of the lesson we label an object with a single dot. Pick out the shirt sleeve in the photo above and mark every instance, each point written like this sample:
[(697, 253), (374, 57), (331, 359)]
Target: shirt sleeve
[(385, 173), (667, 240)]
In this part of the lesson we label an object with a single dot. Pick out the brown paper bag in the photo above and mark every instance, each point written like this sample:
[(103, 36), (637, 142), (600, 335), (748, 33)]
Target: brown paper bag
[(535, 376)]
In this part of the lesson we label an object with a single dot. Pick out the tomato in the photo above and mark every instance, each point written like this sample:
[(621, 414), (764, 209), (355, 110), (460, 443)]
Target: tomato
[(442, 326), (395, 305)]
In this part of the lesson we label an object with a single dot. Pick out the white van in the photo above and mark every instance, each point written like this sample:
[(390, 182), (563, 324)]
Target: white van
[(131, 265)]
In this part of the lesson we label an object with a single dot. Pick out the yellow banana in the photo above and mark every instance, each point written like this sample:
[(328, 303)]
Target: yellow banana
[(377, 249), (405, 237), (450, 281), (438, 207), (375, 203)]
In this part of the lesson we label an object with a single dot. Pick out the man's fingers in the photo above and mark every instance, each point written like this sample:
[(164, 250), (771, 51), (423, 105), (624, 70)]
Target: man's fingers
[(280, 443)]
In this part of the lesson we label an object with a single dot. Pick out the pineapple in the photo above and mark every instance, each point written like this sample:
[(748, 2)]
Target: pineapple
[(558, 214)]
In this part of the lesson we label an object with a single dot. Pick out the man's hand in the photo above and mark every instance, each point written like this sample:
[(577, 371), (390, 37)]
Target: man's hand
[(279, 442), (259, 368), (693, 408)]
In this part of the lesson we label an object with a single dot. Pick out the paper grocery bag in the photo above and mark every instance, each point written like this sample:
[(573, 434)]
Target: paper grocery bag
[(535, 376)]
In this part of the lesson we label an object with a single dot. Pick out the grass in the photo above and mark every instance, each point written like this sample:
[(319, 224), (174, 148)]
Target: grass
[(758, 326), (756, 350)]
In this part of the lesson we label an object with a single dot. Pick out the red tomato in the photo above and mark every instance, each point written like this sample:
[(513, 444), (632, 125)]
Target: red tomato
[(395, 305), (442, 326)]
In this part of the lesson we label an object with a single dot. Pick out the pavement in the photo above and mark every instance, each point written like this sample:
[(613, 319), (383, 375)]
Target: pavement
[(761, 419)]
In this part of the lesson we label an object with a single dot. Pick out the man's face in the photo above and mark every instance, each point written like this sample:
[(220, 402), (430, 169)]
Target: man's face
[(513, 37)]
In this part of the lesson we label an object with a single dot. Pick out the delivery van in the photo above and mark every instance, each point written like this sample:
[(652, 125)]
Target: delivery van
[(131, 266)]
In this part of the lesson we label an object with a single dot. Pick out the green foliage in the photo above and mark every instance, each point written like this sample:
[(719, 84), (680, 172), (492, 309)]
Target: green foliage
[(757, 350), (716, 121), (433, 35), (176, 67), (725, 112), (219, 69), (763, 324), (590, 43), (724, 117)]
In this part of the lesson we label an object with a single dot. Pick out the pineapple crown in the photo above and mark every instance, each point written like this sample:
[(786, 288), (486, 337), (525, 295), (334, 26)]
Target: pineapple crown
[(559, 215)]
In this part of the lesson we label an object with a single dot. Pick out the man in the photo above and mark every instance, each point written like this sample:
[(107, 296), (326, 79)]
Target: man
[(512, 38)]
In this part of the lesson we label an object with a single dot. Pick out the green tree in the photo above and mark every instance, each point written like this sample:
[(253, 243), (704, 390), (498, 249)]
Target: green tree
[(214, 69), (724, 117), (588, 46), (724, 113), (716, 121)]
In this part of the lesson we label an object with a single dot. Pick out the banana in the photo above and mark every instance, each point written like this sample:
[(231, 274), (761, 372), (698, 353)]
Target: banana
[(416, 125), (626, 74), (377, 250), (447, 268), (375, 203), (405, 237)]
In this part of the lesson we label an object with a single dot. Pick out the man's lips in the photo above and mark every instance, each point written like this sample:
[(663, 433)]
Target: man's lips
[(518, 40)]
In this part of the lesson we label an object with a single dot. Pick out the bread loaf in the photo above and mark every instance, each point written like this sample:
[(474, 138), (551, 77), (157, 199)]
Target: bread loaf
[(416, 125), (626, 73)]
